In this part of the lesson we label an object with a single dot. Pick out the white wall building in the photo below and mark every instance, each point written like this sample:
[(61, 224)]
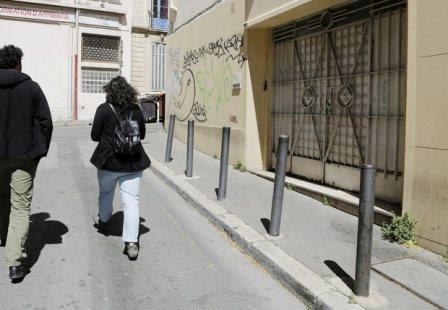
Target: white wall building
[(149, 26), (71, 48)]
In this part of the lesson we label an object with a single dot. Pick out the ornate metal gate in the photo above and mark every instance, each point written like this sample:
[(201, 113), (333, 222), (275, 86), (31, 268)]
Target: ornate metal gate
[(339, 92)]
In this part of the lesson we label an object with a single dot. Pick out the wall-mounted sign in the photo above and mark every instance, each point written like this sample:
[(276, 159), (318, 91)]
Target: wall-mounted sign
[(33, 12), (237, 81), (99, 20)]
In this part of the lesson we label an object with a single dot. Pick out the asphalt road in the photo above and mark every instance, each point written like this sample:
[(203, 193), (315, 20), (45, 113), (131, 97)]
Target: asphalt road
[(185, 263)]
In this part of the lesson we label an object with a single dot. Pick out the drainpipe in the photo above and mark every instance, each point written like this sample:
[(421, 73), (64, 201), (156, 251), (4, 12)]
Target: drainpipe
[(76, 60)]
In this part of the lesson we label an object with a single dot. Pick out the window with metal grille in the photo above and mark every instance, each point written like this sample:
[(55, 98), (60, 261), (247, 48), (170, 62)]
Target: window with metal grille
[(158, 66), (93, 79), (97, 48)]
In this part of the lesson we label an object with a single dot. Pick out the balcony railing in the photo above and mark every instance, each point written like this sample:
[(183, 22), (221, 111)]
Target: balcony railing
[(160, 24)]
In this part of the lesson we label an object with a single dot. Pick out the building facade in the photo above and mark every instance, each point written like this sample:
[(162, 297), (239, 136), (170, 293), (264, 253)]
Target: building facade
[(71, 48), (206, 71), (149, 27), (350, 82)]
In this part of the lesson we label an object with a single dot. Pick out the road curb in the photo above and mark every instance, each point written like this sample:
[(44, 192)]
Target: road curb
[(300, 280)]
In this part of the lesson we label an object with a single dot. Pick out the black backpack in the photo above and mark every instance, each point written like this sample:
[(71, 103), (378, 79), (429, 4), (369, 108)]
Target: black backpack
[(126, 137)]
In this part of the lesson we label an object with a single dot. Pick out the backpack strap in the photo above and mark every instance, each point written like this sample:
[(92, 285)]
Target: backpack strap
[(118, 117), (115, 112)]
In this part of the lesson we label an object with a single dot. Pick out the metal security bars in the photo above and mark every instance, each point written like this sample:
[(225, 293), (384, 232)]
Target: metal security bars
[(158, 66), (103, 49), (339, 88)]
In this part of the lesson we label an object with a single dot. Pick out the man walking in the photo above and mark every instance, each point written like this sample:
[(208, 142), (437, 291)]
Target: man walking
[(25, 134)]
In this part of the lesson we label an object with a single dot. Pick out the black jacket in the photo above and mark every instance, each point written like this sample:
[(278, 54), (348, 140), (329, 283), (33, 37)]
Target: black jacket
[(25, 119), (103, 127)]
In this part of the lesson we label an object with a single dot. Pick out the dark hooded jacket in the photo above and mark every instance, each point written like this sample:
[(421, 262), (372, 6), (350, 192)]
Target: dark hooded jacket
[(25, 119)]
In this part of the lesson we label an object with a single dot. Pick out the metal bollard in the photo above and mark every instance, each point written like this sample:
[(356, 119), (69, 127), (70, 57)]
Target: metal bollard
[(279, 186), (224, 165), (190, 144), (365, 228), (169, 141)]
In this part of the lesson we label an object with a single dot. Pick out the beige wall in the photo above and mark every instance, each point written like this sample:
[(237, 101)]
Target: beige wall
[(140, 15), (258, 110), (204, 59), (426, 165), (268, 14), (258, 8), (186, 11)]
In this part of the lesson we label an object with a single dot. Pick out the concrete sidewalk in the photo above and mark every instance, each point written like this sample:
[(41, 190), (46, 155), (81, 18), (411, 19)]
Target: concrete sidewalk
[(320, 238)]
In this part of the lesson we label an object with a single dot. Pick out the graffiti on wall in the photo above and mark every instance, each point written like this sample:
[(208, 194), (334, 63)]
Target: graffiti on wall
[(204, 80), (214, 83), (174, 68), (185, 101), (229, 48)]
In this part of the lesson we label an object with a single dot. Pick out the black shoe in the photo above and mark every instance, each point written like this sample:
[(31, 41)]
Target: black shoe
[(17, 272), (2, 242), (100, 225)]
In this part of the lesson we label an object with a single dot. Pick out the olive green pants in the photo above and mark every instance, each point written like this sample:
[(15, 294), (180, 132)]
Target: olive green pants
[(16, 192)]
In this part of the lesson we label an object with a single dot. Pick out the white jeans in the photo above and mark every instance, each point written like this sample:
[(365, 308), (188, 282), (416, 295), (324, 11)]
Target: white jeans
[(130, 198)]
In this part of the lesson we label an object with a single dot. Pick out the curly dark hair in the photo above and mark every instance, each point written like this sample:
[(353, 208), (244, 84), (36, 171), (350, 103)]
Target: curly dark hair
[(10, 57), (120, 93)]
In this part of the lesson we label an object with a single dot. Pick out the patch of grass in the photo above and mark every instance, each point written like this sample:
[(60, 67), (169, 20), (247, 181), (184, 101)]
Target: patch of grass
[(215, 157), (325, 201), (239, 166), (411, 244), (352, 300), (445, 259), (290, 187), (400, 230)]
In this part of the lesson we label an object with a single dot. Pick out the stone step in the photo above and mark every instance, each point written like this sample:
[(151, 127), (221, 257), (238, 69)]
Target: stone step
[(336, 198)]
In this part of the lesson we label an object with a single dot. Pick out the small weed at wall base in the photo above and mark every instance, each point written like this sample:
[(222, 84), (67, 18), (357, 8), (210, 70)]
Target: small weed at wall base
[(352, 300), (445, 259), (290, 187), (400, 230), (239, 166)]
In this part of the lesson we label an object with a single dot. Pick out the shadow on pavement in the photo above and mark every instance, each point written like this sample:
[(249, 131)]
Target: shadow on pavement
[(42, 232), (341, 274), (266, 222), (115, 226)]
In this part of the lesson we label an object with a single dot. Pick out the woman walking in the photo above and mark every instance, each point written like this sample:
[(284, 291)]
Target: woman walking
[(120, 158)]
